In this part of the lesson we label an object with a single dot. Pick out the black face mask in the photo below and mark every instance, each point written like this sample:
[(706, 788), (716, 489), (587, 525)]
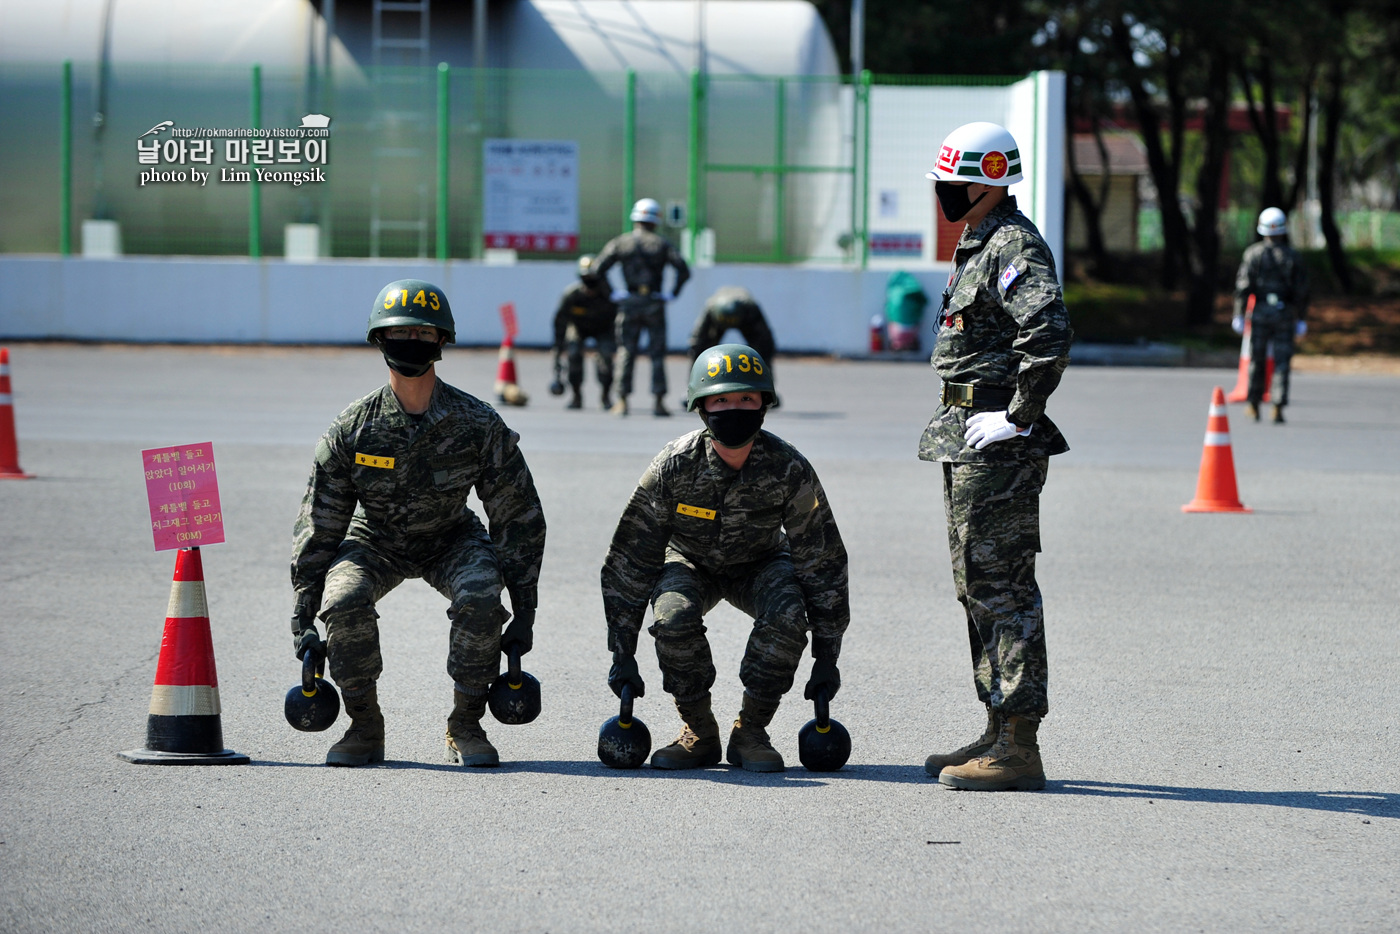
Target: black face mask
[(954, 201), (734, 428), (410, 357)]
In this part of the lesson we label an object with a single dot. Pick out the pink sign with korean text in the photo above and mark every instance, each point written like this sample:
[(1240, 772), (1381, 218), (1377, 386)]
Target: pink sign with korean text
[(183, 492)]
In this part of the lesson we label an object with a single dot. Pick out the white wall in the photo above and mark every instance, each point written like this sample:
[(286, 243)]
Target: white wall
[(186, 299)]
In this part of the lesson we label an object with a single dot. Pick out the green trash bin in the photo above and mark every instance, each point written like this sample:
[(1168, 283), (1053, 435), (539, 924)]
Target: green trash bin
[(905, 301)]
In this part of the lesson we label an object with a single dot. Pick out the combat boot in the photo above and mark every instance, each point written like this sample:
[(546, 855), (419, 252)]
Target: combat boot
[(1278, 415), (363, 743), (939, 761), (749, 747), (1253, 409), (577, 401), (607, 397), (660, 410), (1012, 764), (466, 740), (698, 745), (620, 406)]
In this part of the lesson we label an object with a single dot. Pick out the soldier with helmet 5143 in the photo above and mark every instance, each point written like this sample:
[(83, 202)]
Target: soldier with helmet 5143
[(1003, 343), (728, 512), (387, 500)]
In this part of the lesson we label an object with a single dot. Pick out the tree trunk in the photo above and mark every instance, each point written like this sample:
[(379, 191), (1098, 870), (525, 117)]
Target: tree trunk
[(1205, 259), (1327, 176), (1092, 211), (1264, 118)]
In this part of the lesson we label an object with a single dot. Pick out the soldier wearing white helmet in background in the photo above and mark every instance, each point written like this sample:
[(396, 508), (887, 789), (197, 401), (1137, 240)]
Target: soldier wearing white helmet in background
[(1272, 288), (644, 255), (1003, 342)]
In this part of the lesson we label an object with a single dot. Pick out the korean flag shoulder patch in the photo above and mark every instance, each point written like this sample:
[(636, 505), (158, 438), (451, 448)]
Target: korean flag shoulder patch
[(1008, 276)]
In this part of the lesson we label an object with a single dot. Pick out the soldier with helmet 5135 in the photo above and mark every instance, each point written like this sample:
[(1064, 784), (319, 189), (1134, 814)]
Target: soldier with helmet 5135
[(387, 500), (1003, 343), (728, 512)]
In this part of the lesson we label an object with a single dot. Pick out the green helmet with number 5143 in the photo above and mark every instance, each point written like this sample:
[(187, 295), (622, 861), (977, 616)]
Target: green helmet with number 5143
[(727, 368), (410, 302)]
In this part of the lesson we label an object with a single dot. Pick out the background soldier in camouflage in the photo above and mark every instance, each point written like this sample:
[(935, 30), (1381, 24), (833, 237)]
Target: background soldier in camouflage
[(1272, 274), (586, 311), (387, 500), (729, 512), (1003, 342), (644, 255), (732, 306)]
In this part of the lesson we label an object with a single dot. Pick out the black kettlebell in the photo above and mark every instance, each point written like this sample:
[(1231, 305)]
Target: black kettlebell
[(823, 744), (556, 388), (312, 705), (624, 741), (514, 696)]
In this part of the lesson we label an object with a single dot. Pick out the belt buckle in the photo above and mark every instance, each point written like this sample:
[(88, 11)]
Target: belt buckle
[(643, 290)]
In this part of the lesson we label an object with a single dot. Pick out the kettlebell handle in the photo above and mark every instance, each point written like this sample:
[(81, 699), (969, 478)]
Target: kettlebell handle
[(513, 665), (823, 706), (313, 662), (624, 714)]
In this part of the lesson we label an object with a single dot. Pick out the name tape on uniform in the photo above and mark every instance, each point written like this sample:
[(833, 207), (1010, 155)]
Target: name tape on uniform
[(695, 511), (369, 460)]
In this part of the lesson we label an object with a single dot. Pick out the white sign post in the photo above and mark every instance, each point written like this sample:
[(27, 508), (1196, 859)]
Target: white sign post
[(531, 195)]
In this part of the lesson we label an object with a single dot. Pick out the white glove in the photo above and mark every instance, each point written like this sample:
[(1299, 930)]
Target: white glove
[(986, 428), (667, 297), (1237, 324), (1300, 329), (619, 294)]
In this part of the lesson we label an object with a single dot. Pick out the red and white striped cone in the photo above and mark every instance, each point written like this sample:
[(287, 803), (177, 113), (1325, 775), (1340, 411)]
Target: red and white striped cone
[(1241, 391), (1215, 487), (184, 726), (507, 389), (9, 446)]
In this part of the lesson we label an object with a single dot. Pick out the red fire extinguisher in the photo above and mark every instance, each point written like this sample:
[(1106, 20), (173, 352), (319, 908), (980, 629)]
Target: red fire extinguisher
[(877, 334)]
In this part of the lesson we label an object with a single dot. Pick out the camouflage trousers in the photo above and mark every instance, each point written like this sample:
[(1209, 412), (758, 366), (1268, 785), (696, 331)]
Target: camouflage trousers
[(1263, 333), (574, 339), (466, 573), (993, 513), (635, 315), (766, 590)]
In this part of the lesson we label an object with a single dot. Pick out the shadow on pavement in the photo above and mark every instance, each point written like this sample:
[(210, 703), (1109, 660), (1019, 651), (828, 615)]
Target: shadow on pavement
[(1368, 803)]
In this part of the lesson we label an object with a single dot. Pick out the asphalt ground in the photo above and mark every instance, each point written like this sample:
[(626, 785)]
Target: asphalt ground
[(1222, 748)]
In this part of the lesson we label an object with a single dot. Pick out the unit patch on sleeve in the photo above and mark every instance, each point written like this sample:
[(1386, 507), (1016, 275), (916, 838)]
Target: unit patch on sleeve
[(1008, 276)]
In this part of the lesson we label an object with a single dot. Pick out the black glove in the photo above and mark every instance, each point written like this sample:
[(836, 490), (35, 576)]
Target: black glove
[(624, 672), (521, 631), (307, 638), (824, 675)]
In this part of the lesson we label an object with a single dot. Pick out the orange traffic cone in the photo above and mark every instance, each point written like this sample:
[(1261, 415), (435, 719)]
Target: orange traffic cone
[(184, 726), (507, 390), (9, 447), (1241, 391), (1215, 489)]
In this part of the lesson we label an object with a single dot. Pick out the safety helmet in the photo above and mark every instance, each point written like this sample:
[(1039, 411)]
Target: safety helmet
[(409, 302), (1272, 223), (730, 302), (985, 153), (728, 368), (647, 211), (585, 265)]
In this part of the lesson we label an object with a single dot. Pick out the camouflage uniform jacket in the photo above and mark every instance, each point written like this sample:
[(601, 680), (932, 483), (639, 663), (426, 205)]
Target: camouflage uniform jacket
[(1004, 326), (402, 485), (644, 255), (591, 312), (1272, 268), (692, 506), (732, 307)]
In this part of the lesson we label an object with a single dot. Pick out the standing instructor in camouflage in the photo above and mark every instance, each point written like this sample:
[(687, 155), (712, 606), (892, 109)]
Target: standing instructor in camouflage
[(1271, 286), (387, 500), (730, 512), (1003, 342), (644, 255)]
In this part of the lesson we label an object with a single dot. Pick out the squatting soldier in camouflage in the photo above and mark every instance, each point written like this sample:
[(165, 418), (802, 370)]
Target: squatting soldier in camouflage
[(644, 255), (586, 312), (1003, 343), (1272, 286), (732, 307), (387, 500), (729, 512)]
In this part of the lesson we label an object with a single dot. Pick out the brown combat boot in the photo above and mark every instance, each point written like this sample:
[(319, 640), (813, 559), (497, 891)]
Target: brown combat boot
[(620, 406), (939, 761), (749, 747), (363, 743), (698, 745), (1253, 409), (466, 740), (1012, 764)]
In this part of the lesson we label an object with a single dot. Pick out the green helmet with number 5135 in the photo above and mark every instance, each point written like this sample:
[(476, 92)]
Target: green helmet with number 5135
[(409, 302), (727, 368)]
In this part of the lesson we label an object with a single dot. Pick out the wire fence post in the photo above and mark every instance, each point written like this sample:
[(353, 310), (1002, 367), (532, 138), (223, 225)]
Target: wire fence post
[(443, 73), (65, 199), (864, 170), (629, 150), (692, 207), (780, 174), (254, 192)]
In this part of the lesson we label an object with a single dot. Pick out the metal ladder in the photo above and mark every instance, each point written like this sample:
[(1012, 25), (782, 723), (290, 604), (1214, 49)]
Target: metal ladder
[(402, 123)]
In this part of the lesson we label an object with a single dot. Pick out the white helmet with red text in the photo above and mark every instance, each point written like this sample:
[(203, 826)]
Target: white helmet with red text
[(985, 153)]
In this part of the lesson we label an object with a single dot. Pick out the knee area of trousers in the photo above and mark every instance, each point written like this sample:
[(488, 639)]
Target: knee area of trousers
[(350, 613), (678, 627), (478, 607)]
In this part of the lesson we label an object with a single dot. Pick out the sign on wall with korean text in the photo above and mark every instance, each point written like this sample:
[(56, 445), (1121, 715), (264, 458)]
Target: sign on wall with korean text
[(531, 197)]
